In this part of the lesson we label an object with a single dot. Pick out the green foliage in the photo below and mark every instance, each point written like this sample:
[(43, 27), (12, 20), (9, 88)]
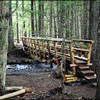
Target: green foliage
[(77, 44), (10, 47), (25, 16)]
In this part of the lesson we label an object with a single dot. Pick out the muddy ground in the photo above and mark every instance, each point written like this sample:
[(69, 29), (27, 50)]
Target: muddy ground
[(40, 77)]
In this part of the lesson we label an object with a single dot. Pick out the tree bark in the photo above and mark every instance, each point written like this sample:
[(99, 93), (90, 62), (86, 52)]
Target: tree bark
[(32, 18), (3, 42), (55, 27), (94, 34), (96, 15), (23, 27), (93, 24), (51, 19), (10, 34), (36, 25), (39, 17), (42, 17), (17, 22), (62, 19), (58, 18), (85, 26)]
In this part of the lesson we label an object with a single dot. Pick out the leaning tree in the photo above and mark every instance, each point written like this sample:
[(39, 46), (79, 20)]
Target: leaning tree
[(3, 41)]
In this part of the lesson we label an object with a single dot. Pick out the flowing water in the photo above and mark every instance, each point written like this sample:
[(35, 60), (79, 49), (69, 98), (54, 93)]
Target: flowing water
[(29, 68)]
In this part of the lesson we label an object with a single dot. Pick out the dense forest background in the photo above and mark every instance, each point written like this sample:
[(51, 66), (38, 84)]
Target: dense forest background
[(46, 18), (75, 19)]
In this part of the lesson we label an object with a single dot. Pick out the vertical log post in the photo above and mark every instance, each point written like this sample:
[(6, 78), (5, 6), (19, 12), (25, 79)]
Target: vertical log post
[(35, 48), (25, 40), (49, 51), (29, 44), (32, 45), (43, 48), (56, 56), (38, 43), (72, 58), (89, 53)]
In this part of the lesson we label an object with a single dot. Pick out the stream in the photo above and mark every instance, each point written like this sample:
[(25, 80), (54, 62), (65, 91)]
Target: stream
[(29, 68)]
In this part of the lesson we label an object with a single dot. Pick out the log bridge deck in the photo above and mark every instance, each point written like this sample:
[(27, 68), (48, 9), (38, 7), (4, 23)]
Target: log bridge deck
[(77, 54)]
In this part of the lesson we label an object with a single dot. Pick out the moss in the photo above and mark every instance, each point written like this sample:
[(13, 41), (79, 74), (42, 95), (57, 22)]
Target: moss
[(10, 47)]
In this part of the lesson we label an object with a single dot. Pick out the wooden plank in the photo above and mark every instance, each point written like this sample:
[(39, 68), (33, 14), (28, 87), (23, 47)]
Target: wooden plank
[(81, 58), (10, 95), (13, 88), (87, 71), (59, 39), (89, 64), (84, 67), (90, 77), (79, 49), (73, 65), (68, 75), (81, 40), (48, 39), (77, 61), (69, 81)]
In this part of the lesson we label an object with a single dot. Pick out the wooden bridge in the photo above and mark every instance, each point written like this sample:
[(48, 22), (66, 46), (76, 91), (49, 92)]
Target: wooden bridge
[(77, 54)]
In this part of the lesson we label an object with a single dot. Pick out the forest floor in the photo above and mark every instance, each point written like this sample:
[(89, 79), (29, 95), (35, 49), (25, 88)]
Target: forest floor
[(23, 71)]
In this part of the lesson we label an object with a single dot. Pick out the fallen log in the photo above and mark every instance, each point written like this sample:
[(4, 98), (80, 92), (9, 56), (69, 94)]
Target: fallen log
[(10, 95), (13, 88)]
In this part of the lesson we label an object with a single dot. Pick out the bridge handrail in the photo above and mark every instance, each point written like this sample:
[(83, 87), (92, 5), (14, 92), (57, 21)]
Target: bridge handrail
[(82, 40), (48, 39)]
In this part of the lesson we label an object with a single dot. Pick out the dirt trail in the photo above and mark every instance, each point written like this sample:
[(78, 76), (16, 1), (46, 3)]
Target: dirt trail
[(43, 82)]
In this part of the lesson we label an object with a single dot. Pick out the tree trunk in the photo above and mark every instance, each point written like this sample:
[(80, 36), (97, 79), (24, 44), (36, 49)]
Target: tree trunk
[(55, 27), (97, 62), (62, 19), (74, 35), (17, 22), (93, 24), (10, 34), (94, 34), (39, 17), (79, 27), (36, 25), (51, 33), (23, 27), (3, 42), (85, 24), (32, 18), (67, 22), (42, 17), (58, 18)]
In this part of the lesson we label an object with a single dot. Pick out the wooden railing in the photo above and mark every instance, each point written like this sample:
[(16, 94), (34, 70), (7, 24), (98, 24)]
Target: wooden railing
[(77, 51)]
